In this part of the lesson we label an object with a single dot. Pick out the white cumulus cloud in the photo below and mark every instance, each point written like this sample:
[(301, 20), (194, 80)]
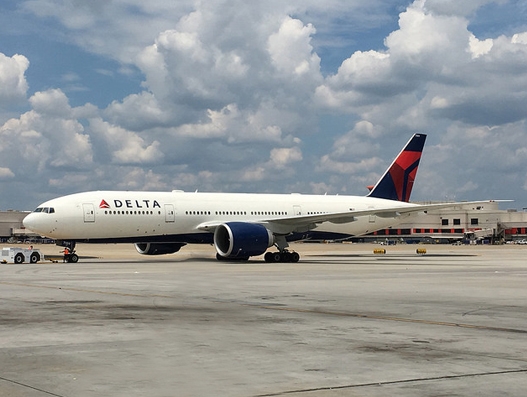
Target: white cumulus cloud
[(13, 84)]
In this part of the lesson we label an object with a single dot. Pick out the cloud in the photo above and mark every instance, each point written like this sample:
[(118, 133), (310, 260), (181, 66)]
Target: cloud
[(291, 51), (13, 84), (192, 71), (123, 146), (51, 103), (6, 173), (457, 76), (283, 157), (48, 136), (273, 96)]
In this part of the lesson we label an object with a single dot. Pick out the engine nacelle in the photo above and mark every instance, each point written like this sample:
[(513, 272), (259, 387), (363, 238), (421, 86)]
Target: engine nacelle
[(242, 240), (158, 248)]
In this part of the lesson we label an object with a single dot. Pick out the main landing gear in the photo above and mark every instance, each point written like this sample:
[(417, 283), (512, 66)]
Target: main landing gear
[(283, 255)]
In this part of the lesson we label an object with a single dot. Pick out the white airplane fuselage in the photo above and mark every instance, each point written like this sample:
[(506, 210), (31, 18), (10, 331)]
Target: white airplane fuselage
[(181, 216)]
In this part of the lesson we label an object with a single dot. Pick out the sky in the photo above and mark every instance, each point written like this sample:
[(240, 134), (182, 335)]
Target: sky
[(277, 96)]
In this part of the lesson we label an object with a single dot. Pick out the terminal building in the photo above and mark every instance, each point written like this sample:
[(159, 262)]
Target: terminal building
[(465, 222), (11, 227)]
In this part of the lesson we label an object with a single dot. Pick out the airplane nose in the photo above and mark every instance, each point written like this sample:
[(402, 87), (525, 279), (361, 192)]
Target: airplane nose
[(29, 222)]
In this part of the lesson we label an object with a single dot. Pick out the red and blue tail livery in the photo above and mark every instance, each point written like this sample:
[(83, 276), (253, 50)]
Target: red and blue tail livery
[(398, 180)]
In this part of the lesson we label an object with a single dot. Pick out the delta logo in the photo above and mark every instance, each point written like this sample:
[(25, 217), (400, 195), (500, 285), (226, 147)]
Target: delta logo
[(139, 204)]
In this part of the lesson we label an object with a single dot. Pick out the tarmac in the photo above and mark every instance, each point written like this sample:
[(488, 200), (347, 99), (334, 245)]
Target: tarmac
[(341, 322)]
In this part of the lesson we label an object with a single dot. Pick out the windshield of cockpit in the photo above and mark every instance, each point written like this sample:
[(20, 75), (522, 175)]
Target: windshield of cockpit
[(46, 210)]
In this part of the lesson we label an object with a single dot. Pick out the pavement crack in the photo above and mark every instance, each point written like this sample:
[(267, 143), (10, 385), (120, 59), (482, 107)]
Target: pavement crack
[(29, 387), (393, 382), (388, 318)]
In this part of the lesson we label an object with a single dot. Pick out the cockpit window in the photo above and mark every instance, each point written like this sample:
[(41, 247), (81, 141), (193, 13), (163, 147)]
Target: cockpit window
[(46, 210)]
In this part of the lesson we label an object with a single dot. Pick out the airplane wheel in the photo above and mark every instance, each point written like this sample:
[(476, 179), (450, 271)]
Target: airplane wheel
[(286, 257), (281, 257), (73, 258), (19, 258)]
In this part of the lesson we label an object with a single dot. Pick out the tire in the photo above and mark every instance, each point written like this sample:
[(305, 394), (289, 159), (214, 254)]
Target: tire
[(295, 257), (268, 257), (73, 258), (19, 258), (34, 258), (277, 257)]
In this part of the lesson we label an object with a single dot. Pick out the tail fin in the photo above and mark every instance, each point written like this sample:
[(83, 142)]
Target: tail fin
[(398, 180)]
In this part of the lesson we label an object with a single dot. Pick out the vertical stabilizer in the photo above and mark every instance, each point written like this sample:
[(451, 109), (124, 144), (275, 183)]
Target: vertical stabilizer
[(398, 180)]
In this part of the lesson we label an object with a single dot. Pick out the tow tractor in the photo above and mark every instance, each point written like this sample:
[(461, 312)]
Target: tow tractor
[(20, 255)]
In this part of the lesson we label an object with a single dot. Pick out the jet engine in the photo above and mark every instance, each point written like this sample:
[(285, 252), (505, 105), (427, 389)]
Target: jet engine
[(158, 248), (240, 240)]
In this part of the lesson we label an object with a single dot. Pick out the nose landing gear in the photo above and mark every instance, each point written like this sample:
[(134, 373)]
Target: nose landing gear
[(72, 257), (69, 251)]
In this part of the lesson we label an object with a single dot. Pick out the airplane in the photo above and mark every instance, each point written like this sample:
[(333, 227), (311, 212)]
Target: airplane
[(239, 225)]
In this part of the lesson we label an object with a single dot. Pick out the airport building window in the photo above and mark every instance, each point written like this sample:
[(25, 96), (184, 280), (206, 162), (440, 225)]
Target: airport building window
[(457, 221), (474, 221), (444, 222)]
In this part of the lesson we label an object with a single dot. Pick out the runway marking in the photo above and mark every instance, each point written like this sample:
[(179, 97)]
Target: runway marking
[(276, 307), (393, 382)]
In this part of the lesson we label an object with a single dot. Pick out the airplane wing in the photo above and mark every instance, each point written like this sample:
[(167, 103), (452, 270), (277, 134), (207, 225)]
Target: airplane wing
[(310, 221), (286, 225)]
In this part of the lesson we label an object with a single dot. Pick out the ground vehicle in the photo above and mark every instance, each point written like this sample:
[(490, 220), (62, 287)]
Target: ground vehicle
[(20, 255)]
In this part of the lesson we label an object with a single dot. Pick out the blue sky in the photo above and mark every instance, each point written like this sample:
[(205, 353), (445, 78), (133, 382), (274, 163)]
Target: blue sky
[(273, 97)]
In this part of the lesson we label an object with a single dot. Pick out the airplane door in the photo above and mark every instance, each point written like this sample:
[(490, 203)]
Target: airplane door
[(89, 212), (297, 210), (170, 214)]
